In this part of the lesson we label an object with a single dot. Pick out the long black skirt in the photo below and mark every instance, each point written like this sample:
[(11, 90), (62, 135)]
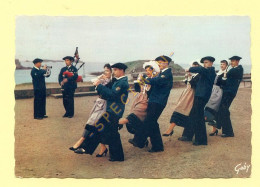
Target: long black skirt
[(92, 139), (179, 119), (133, 124)]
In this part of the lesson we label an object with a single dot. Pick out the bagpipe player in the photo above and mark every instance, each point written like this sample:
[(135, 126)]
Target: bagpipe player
[(68, 85)]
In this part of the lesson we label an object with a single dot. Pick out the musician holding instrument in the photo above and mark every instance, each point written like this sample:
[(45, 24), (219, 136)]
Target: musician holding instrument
[(67, 79), (38, 78)]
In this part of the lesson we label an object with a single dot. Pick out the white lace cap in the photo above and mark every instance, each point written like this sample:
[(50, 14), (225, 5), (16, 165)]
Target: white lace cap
[(153, 64)]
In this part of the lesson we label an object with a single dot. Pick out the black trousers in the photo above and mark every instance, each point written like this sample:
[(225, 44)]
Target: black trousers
[(196, 123), (111, 136), (39, 103), (223, 115), (151, 128), (68, 101)]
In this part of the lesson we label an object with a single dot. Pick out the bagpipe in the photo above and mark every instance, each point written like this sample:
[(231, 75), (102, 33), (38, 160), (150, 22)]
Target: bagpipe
[(68, 74)]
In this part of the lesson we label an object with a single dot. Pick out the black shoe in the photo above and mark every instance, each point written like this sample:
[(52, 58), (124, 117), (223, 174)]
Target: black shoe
[(168, 134), (197, 143), (225, 135), (80, 151), (213, 133), (70, 116), (154, 151), (39, 118), (45, 116), (73, 149), (114, 160), (105, 152), (184, 139), (65, 115)]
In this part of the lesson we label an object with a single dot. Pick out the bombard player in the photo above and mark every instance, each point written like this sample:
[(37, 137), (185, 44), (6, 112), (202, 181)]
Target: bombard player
[(39, 88)]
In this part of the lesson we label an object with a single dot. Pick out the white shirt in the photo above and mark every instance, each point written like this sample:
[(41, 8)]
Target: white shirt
[(36, 67)]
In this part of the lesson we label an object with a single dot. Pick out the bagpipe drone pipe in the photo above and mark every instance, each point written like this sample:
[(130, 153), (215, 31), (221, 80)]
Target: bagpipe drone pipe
[(68, 74)]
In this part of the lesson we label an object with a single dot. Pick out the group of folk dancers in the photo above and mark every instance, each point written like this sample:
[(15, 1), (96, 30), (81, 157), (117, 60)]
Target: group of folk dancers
[(207, 97)]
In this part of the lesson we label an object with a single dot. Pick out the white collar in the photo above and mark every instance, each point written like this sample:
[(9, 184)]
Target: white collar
[(120, 77), (36, 68), (68, 66), (220, 72), (164, 70)]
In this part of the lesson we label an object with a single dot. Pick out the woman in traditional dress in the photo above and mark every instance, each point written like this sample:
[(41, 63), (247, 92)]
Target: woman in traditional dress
[(139, 107), (181, 113), (98, 109), (213, 104)]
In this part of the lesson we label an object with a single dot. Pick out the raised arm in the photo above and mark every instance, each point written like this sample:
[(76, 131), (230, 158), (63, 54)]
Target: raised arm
[(161, 80), (107, 93), (37, 74), (199, 70)]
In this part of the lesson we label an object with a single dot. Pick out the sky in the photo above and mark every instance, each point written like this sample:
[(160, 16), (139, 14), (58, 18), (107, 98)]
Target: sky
[(123, 39)]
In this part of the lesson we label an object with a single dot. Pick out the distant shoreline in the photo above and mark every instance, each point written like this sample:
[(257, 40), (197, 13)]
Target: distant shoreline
[(19, 66), (46, 60), (96, 73)]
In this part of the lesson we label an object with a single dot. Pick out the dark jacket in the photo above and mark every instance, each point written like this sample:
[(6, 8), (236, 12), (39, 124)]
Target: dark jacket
[(204, 86), (71, 84), (116, 96), (234, 77), (220, 81), (193, 81), (108, 85), (161, 87), (38, 79)]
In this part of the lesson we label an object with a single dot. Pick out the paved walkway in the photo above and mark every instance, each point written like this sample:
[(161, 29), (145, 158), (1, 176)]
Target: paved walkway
[(41, 147)]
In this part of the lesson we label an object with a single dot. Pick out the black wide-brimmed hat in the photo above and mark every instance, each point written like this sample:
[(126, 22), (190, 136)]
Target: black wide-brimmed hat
[(37, 60), (119, 65), (209, 58), (69, 57), (163, 58), (235, 58)]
